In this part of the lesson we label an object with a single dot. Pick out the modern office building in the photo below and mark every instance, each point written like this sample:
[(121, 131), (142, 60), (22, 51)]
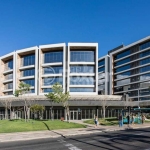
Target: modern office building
[(130, 69), (74, 66), (103, 75)]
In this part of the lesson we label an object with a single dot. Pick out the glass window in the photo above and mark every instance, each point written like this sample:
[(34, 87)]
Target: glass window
[(144, 84), (82, 69), (144, 92), (9, 76), (101, 81), (144, 69), (47, 90), (82, 80), (101, 69), (82, 89), (123, 75), (145, 45), (118, 89), (28, 60), (144, 98), (144, 61), (145, 76), (31, 82), (9, 86), (53, 56), (28, 72), (122, 61), (82, 56), (146, 53), (122, 54), (101, 62), (52, 80), (122, 82), (53, 70), (9, 65), (8, 93), (122, 68), (101, 87)]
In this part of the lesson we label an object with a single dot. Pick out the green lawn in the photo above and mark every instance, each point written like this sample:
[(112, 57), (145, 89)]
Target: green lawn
[(7, 126), (107, 121)]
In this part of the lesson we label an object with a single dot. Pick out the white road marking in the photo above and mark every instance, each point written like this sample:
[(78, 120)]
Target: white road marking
[(69, 145)]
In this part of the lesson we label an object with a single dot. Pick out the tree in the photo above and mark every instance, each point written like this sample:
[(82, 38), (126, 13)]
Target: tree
[(59, 96), (22, 90), (37, 109)]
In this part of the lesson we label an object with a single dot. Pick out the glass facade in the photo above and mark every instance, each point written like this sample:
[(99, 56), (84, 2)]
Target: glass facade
[(144, 98), (144, 92), (122, 82), (9, 65), (144, 61), (144, 69), (145, 45), (52, 80), (82, 69), (101, 69), (82, 89), (122, 68), (28, 60), (145, 53), (53, 56), (82, 81), (8, 93), (122, 54), (47, 90), (122, 61), (9, 76), (123, 75), (101, 62), (28, 72), (53, 70), (31, 82), (9, 86), (82, 56)]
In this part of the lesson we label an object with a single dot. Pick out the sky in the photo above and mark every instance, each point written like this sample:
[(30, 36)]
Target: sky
[(27, 23)]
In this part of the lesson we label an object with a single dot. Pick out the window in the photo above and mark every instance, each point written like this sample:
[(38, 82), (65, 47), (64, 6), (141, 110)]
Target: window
[(28, 72), (123, 75), (9, 76), (146, 53), (8, 93), (101, 69), (82, 69), (144, 69), (47, 90), (28, 60), (53, 56), (53, 70), (145, 45), (122, 68), (144, 61), (82, 56), (101, 62), (122, 54), (52, 80), (144, 92), (122, 61), (82, 90), (9, 65), (31, 82), (122, 82), (145, 76), (9, 86), (82, 81)]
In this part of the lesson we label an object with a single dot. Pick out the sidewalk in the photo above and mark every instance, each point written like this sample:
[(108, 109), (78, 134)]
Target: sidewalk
[(20, 136)]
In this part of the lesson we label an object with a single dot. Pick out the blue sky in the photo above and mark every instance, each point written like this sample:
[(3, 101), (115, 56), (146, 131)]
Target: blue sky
[(36, 22)]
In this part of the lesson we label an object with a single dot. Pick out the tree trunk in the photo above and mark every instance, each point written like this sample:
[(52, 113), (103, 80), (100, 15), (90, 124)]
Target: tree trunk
[(10, 112), (68, 114), (25, 115), (6, 113), (104, 110)]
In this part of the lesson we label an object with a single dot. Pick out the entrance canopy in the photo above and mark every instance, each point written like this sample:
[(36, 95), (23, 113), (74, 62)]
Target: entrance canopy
[(80, 100)]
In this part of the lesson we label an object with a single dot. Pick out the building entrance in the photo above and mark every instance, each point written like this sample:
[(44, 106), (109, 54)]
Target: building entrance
[(74, 115)]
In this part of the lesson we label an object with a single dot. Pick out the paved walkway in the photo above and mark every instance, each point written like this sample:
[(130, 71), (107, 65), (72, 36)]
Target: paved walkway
[(19, 136)]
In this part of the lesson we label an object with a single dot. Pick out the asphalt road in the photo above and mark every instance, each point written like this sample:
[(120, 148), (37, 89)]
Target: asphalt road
[(138, 139)]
